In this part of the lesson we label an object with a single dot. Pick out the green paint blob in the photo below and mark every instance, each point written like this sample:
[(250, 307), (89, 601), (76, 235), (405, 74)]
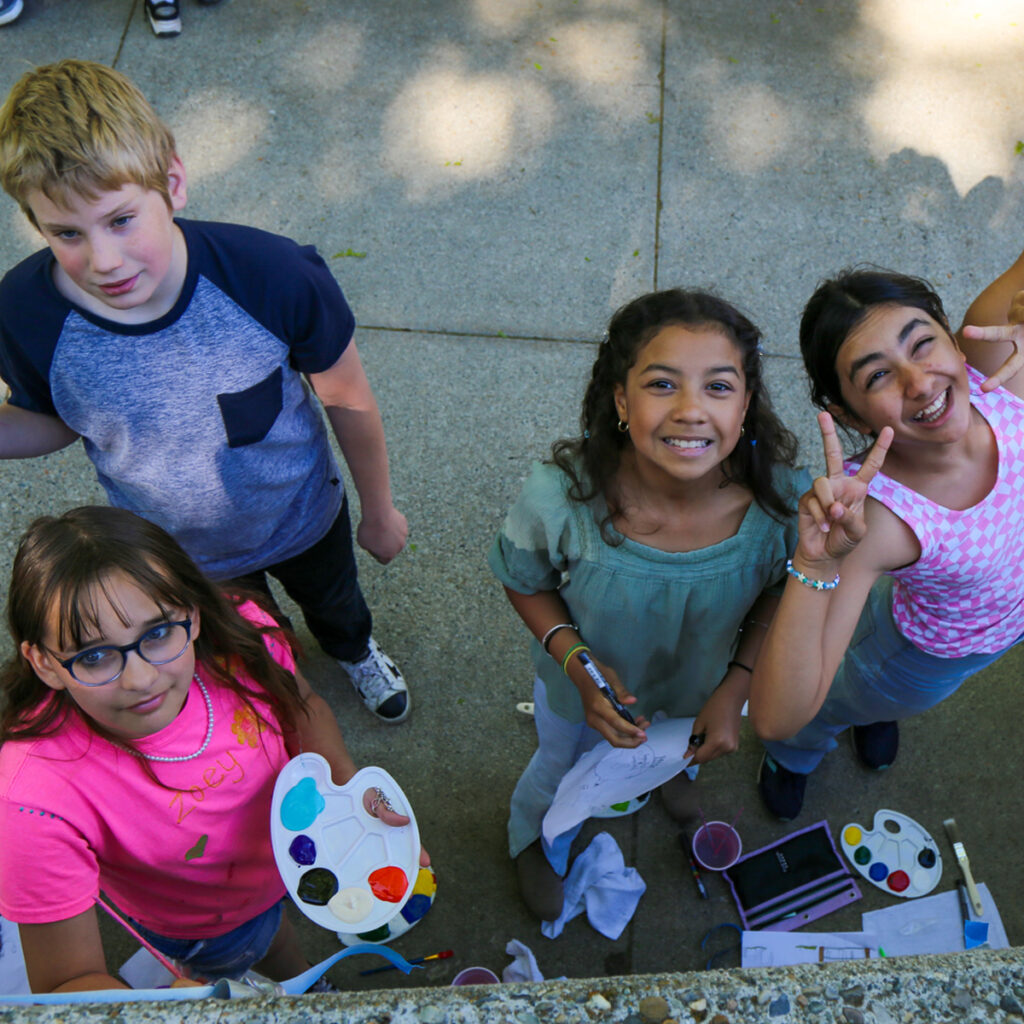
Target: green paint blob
[(198, 850), (301, 805), (317, 887)]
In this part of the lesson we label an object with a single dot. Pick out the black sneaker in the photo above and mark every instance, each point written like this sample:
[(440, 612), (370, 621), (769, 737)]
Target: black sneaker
[(876, 745), (781, 790), (164, 17)]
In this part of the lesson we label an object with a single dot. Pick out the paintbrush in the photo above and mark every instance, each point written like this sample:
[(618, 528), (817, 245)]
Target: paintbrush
[(965, 865), (443, 955)]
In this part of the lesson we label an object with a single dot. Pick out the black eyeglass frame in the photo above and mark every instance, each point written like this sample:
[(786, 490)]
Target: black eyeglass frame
[(124, 650)]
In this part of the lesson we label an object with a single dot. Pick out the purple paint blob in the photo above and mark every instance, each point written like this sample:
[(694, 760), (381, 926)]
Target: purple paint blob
[(301, 805), (303, 850)]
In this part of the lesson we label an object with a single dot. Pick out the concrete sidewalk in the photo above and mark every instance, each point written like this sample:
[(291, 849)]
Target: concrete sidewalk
[(489, 179)]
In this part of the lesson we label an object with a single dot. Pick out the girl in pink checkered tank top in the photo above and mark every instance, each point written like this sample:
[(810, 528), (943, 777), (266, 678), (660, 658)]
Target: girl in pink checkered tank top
[(905, 580)]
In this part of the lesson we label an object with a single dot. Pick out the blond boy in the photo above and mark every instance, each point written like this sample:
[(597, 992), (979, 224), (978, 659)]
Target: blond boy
[(180, 352)]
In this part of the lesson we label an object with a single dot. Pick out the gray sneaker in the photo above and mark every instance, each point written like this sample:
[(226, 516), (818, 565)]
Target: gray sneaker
[(10, 10), (164, 17), (379, 684)]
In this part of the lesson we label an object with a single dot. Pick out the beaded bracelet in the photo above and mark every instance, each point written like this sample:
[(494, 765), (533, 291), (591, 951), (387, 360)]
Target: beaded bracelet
[(575, 649), (546, 639), (807, 581)]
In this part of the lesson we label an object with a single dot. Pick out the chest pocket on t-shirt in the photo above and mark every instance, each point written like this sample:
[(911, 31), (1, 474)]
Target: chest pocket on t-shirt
[(248, 415)]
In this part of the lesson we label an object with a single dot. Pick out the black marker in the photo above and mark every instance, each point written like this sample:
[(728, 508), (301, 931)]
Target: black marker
[(687, 844), (602, 685)]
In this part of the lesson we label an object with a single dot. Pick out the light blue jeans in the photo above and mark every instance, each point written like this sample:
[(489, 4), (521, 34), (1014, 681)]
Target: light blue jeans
[(883, 677), (560, 744)]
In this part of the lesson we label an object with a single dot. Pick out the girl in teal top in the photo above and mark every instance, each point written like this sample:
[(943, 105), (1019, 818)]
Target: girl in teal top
[(648, 543)]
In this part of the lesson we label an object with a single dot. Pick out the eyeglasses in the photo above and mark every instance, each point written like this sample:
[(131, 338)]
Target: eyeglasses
[(157, 646)]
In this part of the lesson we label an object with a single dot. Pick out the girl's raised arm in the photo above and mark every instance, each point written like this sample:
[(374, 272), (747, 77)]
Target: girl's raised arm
[(996, 354), (837, 560)]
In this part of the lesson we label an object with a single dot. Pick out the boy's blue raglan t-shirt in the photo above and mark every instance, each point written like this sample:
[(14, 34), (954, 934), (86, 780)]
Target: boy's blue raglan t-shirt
[(201, 420)]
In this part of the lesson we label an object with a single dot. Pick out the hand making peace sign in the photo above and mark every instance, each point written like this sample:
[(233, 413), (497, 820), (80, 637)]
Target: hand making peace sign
[(1012, 332), (831, 514)]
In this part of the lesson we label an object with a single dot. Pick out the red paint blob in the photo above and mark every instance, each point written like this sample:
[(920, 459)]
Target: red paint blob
[(898, 881), (389, 884)]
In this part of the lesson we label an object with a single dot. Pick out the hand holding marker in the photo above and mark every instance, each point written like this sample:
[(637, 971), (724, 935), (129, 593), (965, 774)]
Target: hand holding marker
[(602, 685)]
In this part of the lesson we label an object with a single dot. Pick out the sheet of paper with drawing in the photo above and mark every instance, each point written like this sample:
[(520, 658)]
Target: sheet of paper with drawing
[(773, 949), (609, 775)]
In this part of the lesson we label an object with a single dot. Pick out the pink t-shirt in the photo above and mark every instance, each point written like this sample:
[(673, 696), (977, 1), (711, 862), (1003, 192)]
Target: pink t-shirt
[(965, 594), (190, 861)]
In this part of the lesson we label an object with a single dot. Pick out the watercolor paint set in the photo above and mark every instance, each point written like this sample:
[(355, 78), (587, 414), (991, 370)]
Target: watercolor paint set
[(344, 868), (896, 854), (791, 882)]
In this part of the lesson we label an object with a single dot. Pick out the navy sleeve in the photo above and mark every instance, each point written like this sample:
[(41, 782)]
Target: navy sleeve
[(284, 286), (32, 315)]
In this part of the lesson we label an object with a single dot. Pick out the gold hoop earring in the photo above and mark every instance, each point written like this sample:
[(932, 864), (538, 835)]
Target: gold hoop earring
[(623, 427)]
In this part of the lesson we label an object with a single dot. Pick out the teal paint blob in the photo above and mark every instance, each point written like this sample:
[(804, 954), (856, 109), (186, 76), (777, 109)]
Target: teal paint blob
[(301, 805)]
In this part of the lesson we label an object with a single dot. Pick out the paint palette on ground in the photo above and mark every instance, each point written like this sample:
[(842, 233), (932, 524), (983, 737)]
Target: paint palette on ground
[(344, 868), (897, 854)]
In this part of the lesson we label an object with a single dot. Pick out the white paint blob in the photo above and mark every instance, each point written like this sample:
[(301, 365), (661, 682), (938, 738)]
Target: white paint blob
[(351, 904)]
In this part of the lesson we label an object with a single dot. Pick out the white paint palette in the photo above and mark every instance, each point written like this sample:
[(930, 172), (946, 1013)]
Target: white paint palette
[(897, 854), (344, 868)]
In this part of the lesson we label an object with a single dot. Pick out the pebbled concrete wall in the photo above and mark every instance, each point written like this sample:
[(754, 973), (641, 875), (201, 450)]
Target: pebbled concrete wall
[(977, 986)]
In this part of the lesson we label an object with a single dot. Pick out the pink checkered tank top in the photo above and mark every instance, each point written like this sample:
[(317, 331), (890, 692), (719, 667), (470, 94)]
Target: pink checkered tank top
[(965, 594)]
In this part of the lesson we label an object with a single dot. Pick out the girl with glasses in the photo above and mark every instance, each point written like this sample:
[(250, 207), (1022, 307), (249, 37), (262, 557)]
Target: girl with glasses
[(146, 718)]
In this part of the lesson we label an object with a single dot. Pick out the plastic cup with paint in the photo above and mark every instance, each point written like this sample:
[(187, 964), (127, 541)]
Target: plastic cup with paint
[(475, 976), (717, 846)]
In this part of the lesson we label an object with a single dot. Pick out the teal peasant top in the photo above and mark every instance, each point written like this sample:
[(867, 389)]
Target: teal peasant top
[(667, 622)]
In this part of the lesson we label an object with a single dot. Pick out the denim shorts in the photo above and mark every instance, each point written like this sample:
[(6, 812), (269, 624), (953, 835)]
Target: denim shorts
[(226, 956)]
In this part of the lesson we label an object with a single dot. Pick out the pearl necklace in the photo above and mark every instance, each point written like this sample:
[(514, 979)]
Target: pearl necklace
[(206, 742)]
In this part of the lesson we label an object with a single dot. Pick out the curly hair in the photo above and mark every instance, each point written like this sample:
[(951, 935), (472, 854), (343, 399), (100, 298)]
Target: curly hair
[(60, 572), (592, 459)]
